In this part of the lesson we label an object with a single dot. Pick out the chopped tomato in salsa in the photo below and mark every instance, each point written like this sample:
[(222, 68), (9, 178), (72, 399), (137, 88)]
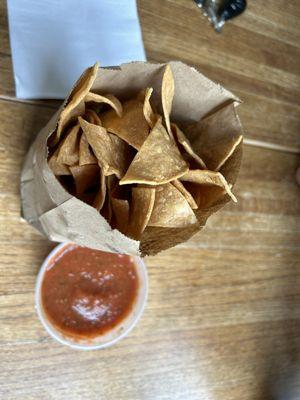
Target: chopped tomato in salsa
[(86, 292)]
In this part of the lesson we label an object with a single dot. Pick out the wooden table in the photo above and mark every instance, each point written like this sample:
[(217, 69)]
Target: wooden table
[(222, 320)]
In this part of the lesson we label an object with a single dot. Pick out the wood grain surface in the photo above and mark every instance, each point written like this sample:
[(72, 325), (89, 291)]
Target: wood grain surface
[(222, 320)]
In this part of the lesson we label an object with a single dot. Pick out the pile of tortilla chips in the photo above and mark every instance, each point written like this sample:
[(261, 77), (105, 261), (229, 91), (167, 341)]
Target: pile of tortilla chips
[(140, 170)]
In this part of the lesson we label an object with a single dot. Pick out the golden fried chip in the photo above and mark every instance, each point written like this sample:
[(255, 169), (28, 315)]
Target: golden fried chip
[(205, 196), (132, 126), (158, 161), (171, 208), (147, 109), (111, 182), (106, 210), (167, 95), (69, 149), (75, 105), (120, 208), (112, 185), (183, 140), (112, 153), (100, 196), (109, 99), (142, 203), (85, 154), (216, 137), (57, 167), (208, 178), (85, 176), (189, 198), (92, 117)]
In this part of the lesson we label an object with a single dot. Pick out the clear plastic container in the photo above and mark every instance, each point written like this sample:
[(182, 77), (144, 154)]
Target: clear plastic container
[(112, 336)]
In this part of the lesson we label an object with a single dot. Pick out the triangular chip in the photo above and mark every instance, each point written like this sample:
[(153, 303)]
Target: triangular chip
[(75, 105), (183, 140), (167, 95), (100, 196), (216, 137), (171, 208), (142, 203), (132, 126), (85, 177), (112, 184), (112, 153), (205, 196), (189, 198), (92, 117), (85, 154), (208, 178), (158, 161), (58, 168), (69, 149), (147, 109), (109, 99), (120, 208), (106, 212)]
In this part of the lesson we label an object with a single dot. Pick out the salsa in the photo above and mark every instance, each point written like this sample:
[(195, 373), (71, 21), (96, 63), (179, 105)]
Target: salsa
[(86, 293)]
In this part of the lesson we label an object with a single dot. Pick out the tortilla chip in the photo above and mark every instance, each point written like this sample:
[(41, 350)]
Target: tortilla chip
[(208, 178), (58, 168), (100, 196), (85, 154), (69, 149), (215, 138), (112, 185), (85, 177), (142, 203), (147, 109), (109, 99), (106, 212), (206, 197), (92, 117), (120, 208), (189, 198), (112, 153), (131, 127), (171, 208), (231, 167), (183, 140), (158, 160), (167, 95), (122, 154), (75, 105)]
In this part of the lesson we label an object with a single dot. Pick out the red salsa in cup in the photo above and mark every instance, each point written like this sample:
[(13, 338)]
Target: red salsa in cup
[(86, 293)]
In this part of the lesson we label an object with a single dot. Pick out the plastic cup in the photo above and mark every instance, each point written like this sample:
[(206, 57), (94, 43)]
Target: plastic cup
[(112, 336)]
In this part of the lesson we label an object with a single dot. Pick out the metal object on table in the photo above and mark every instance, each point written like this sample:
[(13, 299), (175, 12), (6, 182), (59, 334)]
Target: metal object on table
[(218, 12)]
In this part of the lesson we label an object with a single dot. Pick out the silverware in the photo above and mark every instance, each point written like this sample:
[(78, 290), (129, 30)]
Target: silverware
[(218, 12)]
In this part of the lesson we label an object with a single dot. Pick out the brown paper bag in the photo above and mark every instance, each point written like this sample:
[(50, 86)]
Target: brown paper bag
[(203, 109)]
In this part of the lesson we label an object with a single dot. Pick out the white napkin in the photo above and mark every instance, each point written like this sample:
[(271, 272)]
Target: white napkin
[(53, 41)]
